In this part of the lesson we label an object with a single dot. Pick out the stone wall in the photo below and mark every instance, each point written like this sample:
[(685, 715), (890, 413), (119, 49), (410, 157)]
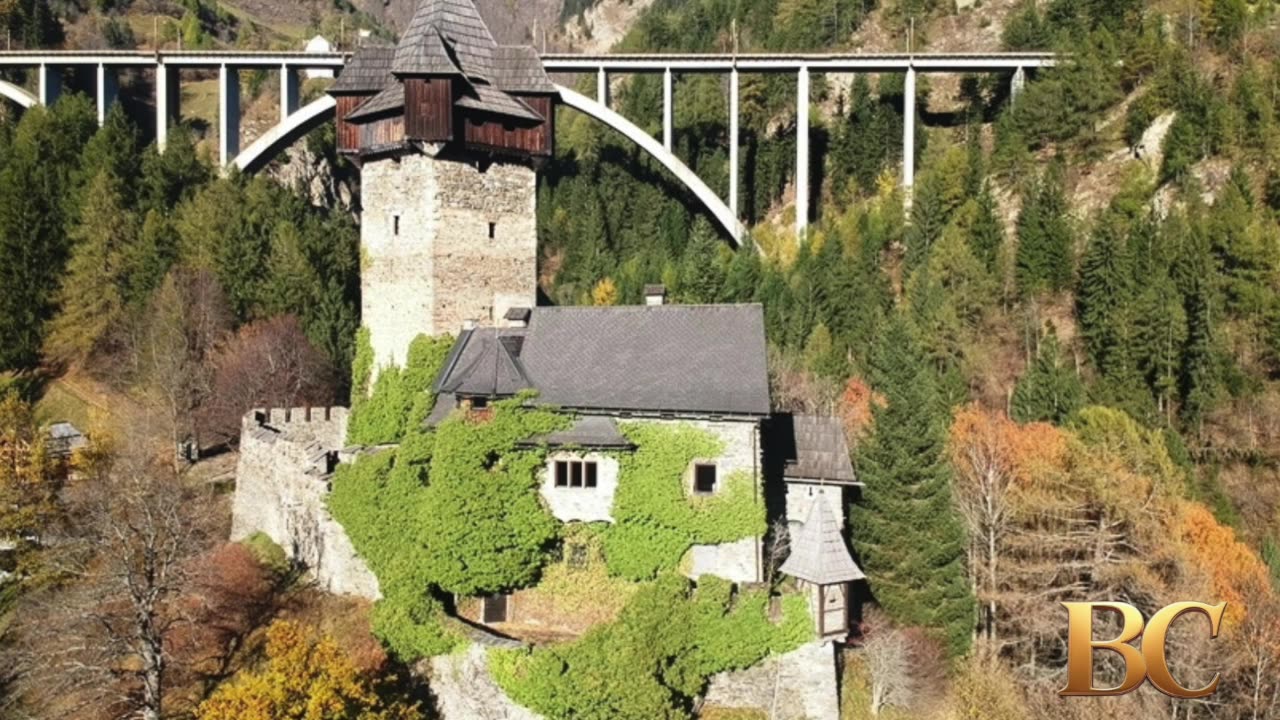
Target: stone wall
[(283, 476), (800, 497), (800, 685), (464, 689), (443, 242)]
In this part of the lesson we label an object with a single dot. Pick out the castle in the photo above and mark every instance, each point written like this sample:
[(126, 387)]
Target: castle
[(448, 129)]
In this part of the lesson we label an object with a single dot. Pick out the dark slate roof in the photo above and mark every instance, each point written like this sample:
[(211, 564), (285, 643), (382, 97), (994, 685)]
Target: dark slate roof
[(517, 68), (368, 71), (818, 553), (485, 363), (490, 99), (588, 431), (698, 359), (462, 28), (813, 448), (391, 98)]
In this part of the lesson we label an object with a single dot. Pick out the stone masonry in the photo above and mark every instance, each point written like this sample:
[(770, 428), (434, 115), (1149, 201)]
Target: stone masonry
[(800, 685), (283, 476), (443, 242)]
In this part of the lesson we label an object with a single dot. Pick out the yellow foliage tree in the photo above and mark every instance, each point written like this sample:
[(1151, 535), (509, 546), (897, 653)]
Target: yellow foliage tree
[(605, 293), (305, 678), (28, 475)]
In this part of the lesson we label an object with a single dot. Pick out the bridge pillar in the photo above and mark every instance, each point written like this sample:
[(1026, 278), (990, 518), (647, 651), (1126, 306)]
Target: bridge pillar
[(228, 114), (802, 153), (668, 110), (733, 142), (602, 87), (50, 84), (909, 134), (108, 90), (289, 82), (1018, 84), (168, 95)]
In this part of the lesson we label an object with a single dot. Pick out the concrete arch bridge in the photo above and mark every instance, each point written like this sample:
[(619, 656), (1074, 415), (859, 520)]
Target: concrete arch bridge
[(296, 120)]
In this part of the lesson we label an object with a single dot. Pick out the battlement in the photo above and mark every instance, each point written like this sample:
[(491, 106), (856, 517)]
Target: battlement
[(282, 418)]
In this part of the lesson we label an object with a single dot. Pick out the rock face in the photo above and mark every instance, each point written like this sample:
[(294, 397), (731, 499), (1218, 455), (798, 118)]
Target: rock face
[(800, 685), (282, 478), (443, 242), (464, 689)]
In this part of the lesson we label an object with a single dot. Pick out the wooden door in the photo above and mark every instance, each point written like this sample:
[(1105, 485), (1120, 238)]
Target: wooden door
[(495, 609)]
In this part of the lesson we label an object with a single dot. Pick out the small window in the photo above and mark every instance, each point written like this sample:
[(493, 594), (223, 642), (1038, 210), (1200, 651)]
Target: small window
[(704, 479), (576, 474), (479, 403), (395, 225), (577, 555), (493, 230)]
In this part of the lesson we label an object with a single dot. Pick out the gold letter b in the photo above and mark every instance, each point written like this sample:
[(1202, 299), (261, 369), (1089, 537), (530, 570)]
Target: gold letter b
[(1080, 647)]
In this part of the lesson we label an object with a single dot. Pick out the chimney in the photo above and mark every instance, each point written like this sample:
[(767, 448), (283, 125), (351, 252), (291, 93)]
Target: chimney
[(518, 317), (468, 325), (655, 295)]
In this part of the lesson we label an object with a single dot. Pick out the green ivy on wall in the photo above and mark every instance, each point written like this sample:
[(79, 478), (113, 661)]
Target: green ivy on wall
[(401, 397), (657, 520), (454, 510), (656, 657)]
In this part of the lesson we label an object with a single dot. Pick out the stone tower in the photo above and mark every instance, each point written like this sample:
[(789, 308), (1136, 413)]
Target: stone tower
[(448, 128)]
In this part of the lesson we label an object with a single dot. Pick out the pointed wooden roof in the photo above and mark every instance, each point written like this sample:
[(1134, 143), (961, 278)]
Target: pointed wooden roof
[(439, 26), (818, 553)]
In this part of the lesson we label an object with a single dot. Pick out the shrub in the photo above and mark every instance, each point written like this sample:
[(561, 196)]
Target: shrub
[(656, 657), (401, 398), (268, 554)]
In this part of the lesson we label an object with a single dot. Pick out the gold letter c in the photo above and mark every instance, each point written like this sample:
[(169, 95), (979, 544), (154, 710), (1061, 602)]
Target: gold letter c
[(1153, 647)]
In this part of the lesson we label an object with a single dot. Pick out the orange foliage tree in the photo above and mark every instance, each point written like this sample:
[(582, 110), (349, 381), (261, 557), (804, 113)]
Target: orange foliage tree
[(1234, 569), (305, 677)]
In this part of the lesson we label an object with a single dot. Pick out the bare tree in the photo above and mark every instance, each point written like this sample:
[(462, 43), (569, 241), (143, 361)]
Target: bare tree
[(269, 363), (777, 548), (96, 643)]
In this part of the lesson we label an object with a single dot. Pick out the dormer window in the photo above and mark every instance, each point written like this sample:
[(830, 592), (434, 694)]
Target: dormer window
[(704, 479), (576, 474)]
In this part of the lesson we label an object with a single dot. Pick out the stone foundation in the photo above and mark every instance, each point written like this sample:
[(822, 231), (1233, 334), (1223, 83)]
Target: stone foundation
[(283, 476), (464, 690), (800, 685), (443, 242)]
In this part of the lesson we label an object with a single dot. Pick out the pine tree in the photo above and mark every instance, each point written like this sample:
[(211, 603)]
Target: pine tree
[(1106, 291), (91, 297), (701, 273), (1044, 238), (909, 539), (986, 234), (928, 219), (1049, 391)]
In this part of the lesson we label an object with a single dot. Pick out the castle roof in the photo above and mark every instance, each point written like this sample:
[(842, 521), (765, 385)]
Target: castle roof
[(682, 359), (447, 38), (818, 553), (813, 449)]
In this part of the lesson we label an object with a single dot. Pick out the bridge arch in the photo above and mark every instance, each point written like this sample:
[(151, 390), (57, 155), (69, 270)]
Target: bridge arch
[(649, 144), (17, 94), (274, 141)]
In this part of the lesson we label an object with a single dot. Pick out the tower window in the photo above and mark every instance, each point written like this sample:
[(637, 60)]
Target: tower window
[(704, 479), (395, 225), (493, 230)]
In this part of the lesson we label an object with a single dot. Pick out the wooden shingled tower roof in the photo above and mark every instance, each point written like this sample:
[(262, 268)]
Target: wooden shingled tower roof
[(818, 553)]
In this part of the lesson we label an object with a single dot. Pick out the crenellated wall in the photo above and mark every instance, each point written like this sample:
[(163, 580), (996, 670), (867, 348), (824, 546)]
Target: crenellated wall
[(287, 458)]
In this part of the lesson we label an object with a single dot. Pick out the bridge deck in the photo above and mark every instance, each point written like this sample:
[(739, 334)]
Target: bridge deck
[(562, 62)]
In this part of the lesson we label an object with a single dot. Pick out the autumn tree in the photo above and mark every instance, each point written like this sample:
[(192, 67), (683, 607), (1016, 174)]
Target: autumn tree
[(268, 363), (28, 479), (304, 676), (187, 318), (99, 641)]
